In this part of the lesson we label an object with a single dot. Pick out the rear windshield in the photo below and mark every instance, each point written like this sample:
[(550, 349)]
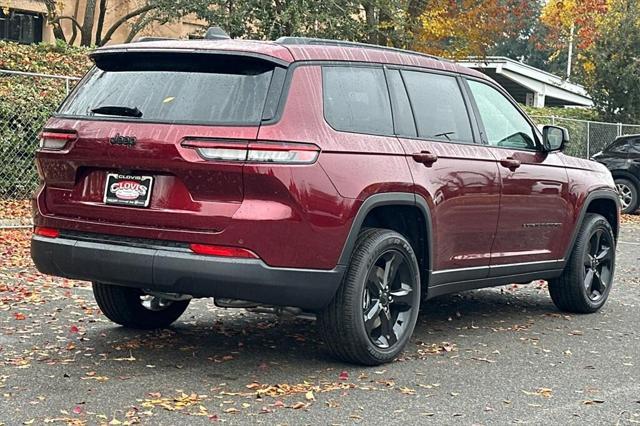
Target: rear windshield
[(209, 89)]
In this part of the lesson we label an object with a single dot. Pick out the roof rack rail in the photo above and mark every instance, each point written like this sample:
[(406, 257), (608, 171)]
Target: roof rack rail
[(329, 42)]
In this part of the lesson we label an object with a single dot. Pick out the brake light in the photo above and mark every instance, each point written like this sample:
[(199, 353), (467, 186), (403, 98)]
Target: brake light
[(56, 141), (223, 251), (46, 232), (255, 152)]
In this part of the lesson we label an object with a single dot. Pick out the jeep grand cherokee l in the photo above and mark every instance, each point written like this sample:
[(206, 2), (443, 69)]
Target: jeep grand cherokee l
[(316, 177)]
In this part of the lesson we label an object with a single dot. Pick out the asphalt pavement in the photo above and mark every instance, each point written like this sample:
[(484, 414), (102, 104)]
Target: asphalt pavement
[(495, 356)]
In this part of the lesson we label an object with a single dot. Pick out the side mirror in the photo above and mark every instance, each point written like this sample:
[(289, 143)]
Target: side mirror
[(555, 138)]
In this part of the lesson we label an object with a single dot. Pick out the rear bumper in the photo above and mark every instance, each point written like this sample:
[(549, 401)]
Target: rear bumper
[(180, 271)]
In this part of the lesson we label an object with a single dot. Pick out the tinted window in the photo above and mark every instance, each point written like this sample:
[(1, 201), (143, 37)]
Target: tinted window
[(402, 114), (634, 148), (438, 106), (504, 125), (357, 100), (620, 147), (198, 90)]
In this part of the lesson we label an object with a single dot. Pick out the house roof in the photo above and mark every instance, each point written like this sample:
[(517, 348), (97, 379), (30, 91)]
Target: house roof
[(519, 78)]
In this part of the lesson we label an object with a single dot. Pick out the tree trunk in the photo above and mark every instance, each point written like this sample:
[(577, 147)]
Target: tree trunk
[(137, 26), (74, 29), (114, 27), (54, 21), (87, 23), (102, 11), (370, 16)]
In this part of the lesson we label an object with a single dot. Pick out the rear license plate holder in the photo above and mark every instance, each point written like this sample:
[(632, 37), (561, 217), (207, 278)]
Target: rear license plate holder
[(128, 190)]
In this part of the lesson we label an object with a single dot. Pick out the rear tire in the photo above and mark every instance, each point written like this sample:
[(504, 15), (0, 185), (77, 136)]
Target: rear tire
[(125, 306), (373, 314), (628, 195), (587, 278)]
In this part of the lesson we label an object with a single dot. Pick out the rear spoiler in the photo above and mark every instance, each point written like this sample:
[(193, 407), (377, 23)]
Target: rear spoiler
[(154, 47)]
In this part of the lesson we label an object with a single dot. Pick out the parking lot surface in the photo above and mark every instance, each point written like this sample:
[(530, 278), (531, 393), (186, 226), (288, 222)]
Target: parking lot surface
[(494, 356)]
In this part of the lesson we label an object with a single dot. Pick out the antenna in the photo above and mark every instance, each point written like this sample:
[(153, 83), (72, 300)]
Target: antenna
[(216, 33)]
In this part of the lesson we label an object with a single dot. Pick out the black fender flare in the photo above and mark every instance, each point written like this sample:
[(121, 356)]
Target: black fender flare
[(600, 194), (389, 199)]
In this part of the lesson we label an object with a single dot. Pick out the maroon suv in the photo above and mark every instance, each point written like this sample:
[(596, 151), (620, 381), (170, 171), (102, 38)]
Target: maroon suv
[(309, 176)]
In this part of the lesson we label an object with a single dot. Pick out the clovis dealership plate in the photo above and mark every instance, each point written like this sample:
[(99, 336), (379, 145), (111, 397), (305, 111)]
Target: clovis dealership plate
[(128, 190)]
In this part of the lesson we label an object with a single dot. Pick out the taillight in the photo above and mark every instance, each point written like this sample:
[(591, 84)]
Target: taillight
[(46, 232), (222, 251), (282, 153), (56, 141), (255, 152)]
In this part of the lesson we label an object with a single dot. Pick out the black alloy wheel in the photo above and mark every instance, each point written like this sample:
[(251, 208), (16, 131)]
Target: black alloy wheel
[(598, 260), (388, 301)]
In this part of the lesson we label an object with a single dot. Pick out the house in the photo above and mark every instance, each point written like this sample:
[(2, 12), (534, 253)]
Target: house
[(25, 21)]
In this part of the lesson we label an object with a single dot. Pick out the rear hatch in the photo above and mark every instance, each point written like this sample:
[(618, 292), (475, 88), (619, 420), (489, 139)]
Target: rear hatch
[(123, 147)]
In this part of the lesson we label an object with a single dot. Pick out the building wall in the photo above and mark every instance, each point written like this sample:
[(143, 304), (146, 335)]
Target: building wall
[(115, 9)]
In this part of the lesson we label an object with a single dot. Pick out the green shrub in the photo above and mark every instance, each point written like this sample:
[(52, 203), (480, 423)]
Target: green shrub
[(25, 105)]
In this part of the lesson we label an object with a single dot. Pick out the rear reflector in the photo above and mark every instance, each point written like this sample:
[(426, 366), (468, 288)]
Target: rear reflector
[(222, 251), (46, 232), (255, 152), (56, 141)]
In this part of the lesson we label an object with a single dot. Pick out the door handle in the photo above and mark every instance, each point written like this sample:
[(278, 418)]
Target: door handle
[(424, 157), (510, 163)]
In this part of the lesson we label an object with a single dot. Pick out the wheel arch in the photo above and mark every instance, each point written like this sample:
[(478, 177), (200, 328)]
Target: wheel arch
[(377, 211), (603, 202), (624, 174)]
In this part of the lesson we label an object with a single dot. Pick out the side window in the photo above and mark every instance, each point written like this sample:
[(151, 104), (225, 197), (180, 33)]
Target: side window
[(634, 148), (503, 123), (356, 99), (438, 106), (620, 147), (402, 114)]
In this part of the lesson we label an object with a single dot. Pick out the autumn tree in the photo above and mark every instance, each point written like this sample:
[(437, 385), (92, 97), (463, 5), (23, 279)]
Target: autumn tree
[(527, 41), (470, 27), (613, 63), (385, 22), (571, 23)]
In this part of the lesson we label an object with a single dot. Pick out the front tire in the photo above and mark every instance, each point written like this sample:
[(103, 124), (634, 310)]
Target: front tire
[(131, 307), (586, 281), (373, 314), (629, 199)]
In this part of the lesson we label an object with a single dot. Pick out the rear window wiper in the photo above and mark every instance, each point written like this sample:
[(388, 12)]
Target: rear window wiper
[(118, 110)]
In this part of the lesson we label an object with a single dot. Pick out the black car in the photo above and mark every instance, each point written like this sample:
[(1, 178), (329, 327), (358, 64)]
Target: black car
[(622, 157)]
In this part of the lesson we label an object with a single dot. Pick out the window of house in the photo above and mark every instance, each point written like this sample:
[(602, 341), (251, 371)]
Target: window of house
[(22, 27)]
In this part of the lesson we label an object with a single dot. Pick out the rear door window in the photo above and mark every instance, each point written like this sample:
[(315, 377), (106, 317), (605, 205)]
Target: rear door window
[(356, 100), (438, 106), (209, 89)]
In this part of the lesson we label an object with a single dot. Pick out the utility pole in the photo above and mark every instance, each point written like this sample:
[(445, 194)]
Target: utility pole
[(571, 32)]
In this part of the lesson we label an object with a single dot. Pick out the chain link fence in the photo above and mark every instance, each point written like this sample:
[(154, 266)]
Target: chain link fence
[(588, 137), (28, 99)]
